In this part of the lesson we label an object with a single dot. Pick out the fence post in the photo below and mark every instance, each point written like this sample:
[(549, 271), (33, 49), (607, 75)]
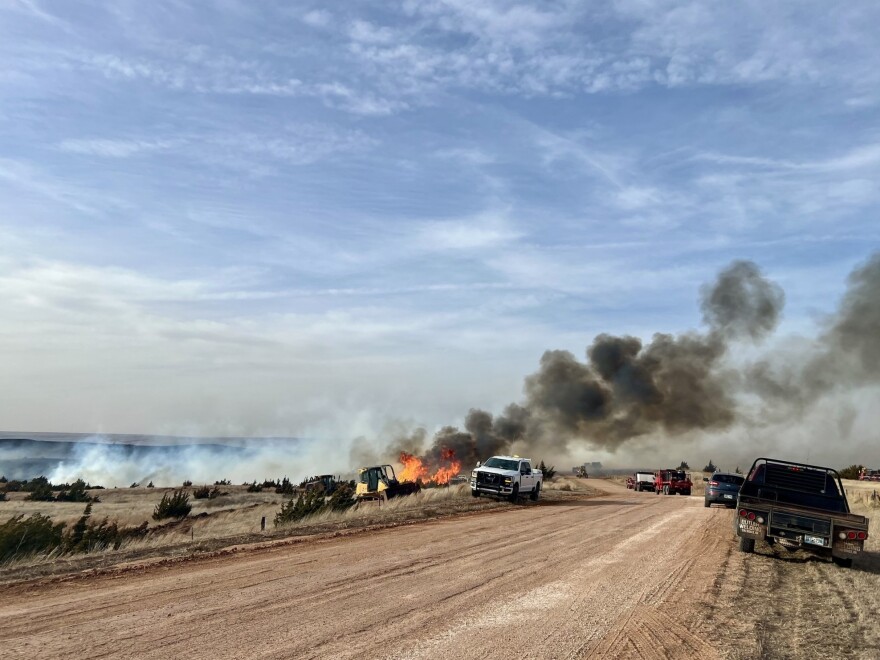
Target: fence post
[(263, 524)]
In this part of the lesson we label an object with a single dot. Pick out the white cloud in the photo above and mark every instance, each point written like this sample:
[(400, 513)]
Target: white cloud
[(318, 18), (480, 232), (114, 148)]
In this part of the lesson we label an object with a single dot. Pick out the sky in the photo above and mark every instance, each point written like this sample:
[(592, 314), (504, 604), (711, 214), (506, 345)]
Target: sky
[(229, 217)]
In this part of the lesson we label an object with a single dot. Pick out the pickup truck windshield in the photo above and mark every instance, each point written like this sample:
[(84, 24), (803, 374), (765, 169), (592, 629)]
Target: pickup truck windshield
[(502, 464)]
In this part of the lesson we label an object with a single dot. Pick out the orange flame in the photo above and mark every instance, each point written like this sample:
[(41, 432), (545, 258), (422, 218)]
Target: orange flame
[(414, 469), (444, 474)]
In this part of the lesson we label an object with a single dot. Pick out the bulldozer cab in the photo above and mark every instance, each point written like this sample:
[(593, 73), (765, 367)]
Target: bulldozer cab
[(380, 481), (373, 480)]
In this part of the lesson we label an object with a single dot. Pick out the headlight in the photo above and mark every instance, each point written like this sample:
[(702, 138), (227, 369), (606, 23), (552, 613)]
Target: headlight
[(474, 474), (507, 480)]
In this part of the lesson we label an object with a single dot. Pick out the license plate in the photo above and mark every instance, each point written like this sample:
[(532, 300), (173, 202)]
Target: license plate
[(728, 497), (751, 527), (814, 540)]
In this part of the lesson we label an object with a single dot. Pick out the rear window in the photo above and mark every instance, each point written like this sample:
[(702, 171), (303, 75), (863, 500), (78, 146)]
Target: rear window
[(728, 479)]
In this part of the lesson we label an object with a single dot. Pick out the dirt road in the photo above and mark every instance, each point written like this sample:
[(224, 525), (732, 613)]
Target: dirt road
[(625, 575)]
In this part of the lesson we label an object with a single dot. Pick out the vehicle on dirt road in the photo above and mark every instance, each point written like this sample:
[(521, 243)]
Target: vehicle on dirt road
[(581, 472), (869, 475), (631, 483), (507, 476), (798, 506), (670, 482), (722, 488), (644, 481), (379, 482)]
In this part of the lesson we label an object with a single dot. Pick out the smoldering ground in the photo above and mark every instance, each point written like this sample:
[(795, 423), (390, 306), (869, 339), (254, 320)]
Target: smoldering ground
[(681, 387)]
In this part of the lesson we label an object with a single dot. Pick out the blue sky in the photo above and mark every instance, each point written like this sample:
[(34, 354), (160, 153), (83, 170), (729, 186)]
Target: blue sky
[(291, 218)]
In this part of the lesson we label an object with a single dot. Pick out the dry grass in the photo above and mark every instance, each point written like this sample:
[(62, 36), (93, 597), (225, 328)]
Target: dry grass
[(236, 518), (132, 506)]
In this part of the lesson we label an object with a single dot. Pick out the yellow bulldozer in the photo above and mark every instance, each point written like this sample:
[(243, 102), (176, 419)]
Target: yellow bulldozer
[(379, 482)]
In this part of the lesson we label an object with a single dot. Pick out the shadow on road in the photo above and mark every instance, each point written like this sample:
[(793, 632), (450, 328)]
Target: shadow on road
[(866, 562)]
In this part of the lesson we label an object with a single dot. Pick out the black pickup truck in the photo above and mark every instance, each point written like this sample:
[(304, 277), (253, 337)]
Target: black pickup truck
[(798, 506)]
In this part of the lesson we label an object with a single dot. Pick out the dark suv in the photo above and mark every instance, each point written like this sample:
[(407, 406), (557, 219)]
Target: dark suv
[(722, 488)]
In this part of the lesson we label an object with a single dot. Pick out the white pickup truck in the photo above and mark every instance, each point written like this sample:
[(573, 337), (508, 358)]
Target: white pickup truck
[(507, 476)]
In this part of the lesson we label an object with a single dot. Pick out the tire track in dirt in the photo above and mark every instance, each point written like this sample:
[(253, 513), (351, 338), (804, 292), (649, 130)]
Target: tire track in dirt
[(624, 575)]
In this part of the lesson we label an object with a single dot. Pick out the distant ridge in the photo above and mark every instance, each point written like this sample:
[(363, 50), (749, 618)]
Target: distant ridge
[(29, 455)]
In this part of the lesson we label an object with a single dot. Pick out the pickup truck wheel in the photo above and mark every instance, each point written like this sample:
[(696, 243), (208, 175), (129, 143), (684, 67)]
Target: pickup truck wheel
[(535, 493), (666, 490), (843, 562), (706, 503), (514, 496), (475, 493), (746, 545)]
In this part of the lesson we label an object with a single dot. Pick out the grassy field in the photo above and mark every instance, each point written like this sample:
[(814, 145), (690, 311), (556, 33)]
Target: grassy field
[(235, 518)]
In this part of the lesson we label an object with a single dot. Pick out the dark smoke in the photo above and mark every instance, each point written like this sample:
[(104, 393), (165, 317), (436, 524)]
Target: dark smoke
[(742, 303), (677, 384)]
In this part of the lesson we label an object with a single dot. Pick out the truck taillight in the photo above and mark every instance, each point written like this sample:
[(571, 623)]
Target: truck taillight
[(751, 516), (851, 536), (861, 536), (743, 513), (713, 483)]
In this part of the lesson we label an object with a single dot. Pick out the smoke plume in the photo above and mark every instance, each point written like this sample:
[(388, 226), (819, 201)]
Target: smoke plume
[(682, 384)]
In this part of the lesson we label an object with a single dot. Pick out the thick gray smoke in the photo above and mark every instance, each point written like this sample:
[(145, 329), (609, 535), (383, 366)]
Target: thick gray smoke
[(678, 384)]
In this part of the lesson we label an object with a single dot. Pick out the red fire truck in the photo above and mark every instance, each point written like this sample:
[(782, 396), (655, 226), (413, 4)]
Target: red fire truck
[(670, 482)]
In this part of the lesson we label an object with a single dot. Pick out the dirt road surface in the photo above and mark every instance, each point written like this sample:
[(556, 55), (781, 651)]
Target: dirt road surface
[(624, 575)]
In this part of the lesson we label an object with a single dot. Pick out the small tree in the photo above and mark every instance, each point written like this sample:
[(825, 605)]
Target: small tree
[(305, 505), (42, 492), (255, 488), (20, 536), (285, 487), (76, 493), (685, 466), (173, 506), (207, 493), (737, 470), (710, 467), (548, 472), (135, 485), (79, 529), (2, 495), (150, 485), (342, 498), (187, 483)]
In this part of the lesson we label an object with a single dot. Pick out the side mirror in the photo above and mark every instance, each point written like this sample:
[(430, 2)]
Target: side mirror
[(479, 463), (706, 479)]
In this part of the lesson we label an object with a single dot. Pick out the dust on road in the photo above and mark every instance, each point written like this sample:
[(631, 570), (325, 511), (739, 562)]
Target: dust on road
[(625, 575)]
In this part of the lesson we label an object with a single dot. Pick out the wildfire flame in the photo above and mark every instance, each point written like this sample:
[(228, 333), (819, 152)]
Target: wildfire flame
[(414, 468)]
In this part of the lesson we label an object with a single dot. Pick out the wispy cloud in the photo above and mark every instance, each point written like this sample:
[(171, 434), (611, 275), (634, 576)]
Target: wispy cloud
[(114, 148)]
